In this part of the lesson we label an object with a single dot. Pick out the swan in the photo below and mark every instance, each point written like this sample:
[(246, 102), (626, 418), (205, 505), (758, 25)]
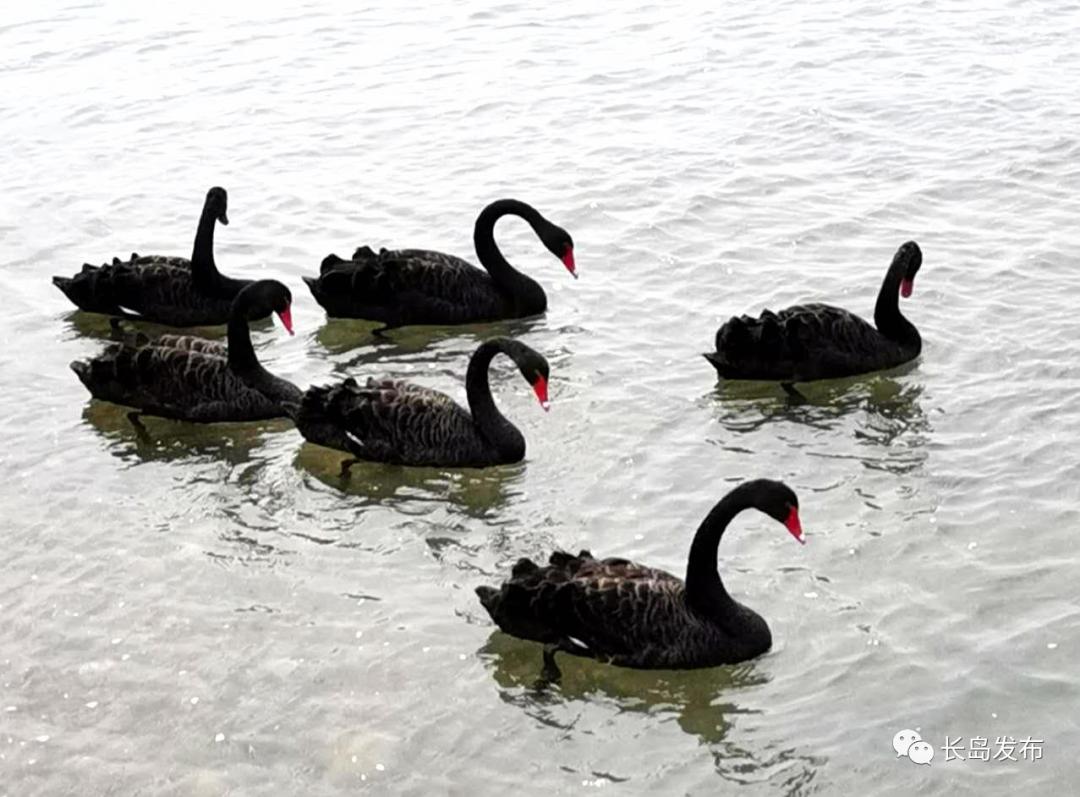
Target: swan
[(188, 378), (402, 423), (819, 341), (415, 286), (163, 289), (630, 615)]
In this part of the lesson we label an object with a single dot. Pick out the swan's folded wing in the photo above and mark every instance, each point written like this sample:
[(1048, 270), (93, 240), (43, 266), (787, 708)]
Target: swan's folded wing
[(609, 609), (156, 290), (156, 286), (157, 379), (386, 420), (192, 343), (802, 342), (133, 337), (171, 261), (620, 609), (416, 282)]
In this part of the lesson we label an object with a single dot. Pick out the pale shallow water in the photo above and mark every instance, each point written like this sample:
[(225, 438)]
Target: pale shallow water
[(214, 613)]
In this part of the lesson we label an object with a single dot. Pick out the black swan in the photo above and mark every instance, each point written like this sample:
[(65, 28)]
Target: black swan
[(414, 286), (623, 613), (192, 379), (818, 341), (166, 290), (405, 424)]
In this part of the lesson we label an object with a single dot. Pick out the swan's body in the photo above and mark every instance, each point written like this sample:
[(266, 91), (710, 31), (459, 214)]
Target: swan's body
[(163, 289), (416, 286), (818, 341), (623, 613), (189, 378), (402, 423)]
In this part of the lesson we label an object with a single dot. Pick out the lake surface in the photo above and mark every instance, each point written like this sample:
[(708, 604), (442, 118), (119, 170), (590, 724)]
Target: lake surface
[(214, 612)]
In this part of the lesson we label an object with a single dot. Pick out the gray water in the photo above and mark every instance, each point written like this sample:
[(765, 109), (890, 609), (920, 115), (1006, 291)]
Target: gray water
[(214, 612)]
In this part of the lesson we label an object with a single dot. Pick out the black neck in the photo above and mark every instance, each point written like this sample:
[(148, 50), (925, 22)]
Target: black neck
[(203, 269), (526, 295), (242, 357), (705, 591), (244, 363), (491, 423), (887, 316)]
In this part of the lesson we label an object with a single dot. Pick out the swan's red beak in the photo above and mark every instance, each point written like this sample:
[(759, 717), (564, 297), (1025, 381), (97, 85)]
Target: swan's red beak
[(794, 526), (906, 287), (568, 261), (286, 318), (540, 388)]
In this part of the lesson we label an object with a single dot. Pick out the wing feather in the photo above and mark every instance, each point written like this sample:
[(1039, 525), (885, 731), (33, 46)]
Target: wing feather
[(392, 421), (801, 343), (406, 286)]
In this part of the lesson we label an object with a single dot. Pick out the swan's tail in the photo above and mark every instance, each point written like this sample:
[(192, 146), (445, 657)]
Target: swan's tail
[(99, 375), (522, 606), (313, 285), (743, 342), (718, 361), (82, 370), (489, 598), (91, 289), (320, 416)]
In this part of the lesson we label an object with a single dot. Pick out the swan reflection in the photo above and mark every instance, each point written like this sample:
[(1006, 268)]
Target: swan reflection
[(175, 441), (703, 703), (342, 335), (479, 492), (883, 415)]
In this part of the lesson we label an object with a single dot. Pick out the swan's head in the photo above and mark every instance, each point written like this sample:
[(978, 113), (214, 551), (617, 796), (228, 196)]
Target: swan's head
[(779, 502), (559, 243), (532, 365), (535, 371), (911, 255), (217, 203), (264, 297)]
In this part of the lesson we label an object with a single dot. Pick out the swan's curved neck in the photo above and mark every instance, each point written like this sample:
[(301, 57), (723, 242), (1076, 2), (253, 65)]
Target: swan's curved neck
[(242, 357), (888, 319), (244, 363), (705, 591), (527, 296), (204, 270), (492, 424)]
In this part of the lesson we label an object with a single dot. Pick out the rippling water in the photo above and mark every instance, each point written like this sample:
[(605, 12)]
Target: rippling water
[(213, 612)]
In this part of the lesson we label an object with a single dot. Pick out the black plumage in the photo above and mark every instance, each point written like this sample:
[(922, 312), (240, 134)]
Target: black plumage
[(415, 286), (193, 379), (626, 614), (818, 341), (163, 289), (401, 423)]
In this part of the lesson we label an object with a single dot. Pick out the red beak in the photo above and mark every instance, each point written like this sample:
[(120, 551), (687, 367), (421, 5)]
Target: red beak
[(286, 318), (906, 287), (568, 261), (540, 388), (794, 526)]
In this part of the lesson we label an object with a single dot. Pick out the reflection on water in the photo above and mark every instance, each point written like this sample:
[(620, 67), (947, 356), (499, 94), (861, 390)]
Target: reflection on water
[(699, 701), (479, 492), (838, 147), (167, 440), (343, 335), (98, 326), (883, 415), (744, 406)]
